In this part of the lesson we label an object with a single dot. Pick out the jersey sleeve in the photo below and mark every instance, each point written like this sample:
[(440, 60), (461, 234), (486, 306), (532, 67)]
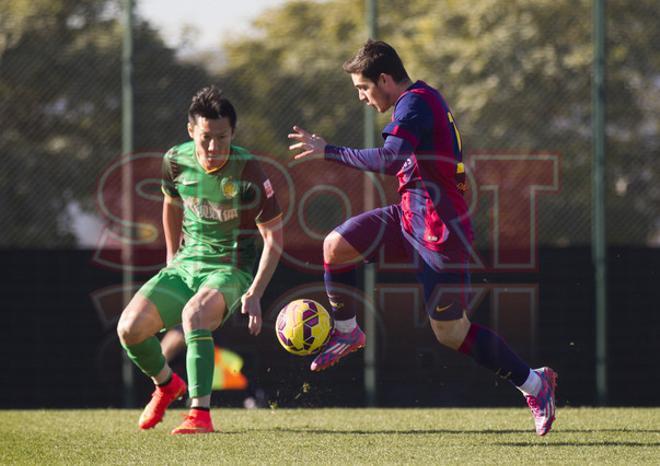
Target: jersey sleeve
[(410, 120), (258, 194), (387, 159), (168, 186)]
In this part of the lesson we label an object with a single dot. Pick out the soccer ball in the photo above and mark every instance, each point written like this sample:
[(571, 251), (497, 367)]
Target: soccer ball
[(303, 327)]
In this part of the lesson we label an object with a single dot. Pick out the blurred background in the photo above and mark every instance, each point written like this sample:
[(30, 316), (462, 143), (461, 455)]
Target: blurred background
[(519, 76)]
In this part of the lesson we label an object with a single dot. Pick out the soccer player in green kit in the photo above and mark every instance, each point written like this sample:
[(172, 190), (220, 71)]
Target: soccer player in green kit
[(216, 198)]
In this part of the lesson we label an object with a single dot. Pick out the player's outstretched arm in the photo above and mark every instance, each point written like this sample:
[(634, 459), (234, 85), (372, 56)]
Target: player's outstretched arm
[(271, 232), (387, 159), (310, 144)]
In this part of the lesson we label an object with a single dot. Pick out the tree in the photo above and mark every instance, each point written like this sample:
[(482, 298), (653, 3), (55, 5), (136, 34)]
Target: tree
[(516, 73), (60, 103)]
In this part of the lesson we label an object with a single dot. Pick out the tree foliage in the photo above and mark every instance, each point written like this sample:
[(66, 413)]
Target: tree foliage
[(60, 104), (517, 74)]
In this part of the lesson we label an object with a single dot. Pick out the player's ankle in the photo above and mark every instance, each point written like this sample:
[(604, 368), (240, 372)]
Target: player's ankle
[(532, 385), (164, 377), (346, 326), (202, 402)]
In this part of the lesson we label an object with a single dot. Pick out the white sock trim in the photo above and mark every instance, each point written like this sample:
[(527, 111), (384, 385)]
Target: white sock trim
[(346, 326), (532, 385), (164, 374), (201, 402)]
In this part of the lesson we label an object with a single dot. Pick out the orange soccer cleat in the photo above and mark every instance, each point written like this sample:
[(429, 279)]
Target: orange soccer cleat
[(161, 398), (197, 422)]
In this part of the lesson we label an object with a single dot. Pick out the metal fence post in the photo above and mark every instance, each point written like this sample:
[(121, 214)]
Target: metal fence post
[(599, 239), (127, 189), (370, 270)]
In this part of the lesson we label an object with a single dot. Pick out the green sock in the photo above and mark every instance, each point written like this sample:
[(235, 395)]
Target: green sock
[(147, 355), (199, 362)]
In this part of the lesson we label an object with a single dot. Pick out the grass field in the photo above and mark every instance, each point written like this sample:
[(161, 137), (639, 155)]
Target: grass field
[(334, 436)]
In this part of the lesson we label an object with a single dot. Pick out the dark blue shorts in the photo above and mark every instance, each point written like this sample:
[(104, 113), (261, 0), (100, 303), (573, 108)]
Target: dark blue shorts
[(445, 291)]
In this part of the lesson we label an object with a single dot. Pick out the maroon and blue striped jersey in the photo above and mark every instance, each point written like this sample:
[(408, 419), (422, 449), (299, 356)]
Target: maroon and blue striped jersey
[(423, 149), (432, 180)]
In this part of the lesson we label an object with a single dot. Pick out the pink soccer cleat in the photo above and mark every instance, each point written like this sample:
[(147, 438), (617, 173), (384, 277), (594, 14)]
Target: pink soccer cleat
[(543, 405), (339, 345)]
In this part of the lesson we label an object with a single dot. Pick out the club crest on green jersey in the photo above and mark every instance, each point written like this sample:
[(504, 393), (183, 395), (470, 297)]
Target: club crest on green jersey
[(229, 187)]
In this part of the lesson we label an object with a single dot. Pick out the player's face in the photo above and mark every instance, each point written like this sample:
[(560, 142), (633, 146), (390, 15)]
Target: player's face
[(372, 93), (212, 140)]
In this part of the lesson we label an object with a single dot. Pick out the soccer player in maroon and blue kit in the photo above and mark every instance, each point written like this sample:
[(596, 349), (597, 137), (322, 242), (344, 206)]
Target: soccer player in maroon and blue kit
[(431, 224)]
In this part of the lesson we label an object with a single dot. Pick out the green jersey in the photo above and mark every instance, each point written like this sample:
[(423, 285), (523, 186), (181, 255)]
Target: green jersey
[(220, 208)]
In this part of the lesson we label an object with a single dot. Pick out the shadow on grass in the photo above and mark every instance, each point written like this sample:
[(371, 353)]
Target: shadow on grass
[(376, 432), (300, 430), (579, 444)]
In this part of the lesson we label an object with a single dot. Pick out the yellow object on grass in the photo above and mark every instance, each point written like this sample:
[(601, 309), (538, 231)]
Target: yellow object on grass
[(227, 371)]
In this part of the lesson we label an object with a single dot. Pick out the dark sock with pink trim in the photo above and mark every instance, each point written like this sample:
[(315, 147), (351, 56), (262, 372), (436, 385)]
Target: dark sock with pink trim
[(337, 279), (490, 351)]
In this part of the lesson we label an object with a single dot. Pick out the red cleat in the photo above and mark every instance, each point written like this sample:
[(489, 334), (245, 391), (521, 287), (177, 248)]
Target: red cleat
[(196, 422), (161, 398)]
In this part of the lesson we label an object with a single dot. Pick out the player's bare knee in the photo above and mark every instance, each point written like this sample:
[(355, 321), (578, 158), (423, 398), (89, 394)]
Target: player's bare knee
[(197, 318), (203, 311), (451, 333), (331, 248), (336, 250), (128, 329), (191, 316), (122, 331), (139, 321)]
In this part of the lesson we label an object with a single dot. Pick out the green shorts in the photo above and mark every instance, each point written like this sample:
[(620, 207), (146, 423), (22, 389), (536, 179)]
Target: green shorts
[(172, 287)]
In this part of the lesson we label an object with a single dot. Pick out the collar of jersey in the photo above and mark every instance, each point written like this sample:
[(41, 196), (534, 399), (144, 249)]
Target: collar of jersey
[(208, 172), (414, 85)]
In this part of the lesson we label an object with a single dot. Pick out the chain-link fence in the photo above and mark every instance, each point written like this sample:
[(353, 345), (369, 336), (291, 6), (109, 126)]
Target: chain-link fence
[(517, 75)]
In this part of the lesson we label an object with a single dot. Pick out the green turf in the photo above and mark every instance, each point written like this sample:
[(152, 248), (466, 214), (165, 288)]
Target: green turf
[(335, 436)]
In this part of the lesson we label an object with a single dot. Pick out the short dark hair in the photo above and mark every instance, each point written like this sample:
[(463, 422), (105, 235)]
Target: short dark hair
[(376, 57), (209, 103)]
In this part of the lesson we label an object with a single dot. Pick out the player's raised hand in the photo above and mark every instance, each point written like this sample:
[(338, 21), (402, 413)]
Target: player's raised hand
[(251, 306), (309, 144)]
